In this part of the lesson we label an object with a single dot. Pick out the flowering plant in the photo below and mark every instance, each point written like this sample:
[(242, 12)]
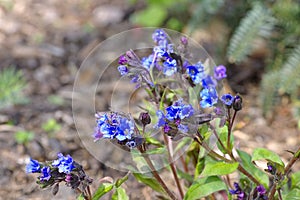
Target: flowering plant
[(187, 123)]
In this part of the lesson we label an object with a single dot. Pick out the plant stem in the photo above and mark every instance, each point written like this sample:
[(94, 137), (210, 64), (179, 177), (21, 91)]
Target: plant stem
[(172, 165), (156, 175), (292, 161), (272, 191)]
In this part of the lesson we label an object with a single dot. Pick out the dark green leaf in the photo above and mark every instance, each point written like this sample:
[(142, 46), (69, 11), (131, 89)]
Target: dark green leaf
[(102, 190), (151, 182), (265, 154), (204, 187), (120, 194), (219, 168), (261, 176)]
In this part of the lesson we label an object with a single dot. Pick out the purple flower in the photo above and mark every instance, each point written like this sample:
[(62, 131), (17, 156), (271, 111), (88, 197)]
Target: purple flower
[(196, 72), (220, 72), (238, 191), (261, 190), (227, 99), (159, 35), (64, 164), (46, 175), (161, 119), (123, 70), (122, 60), (184, 40), (33, 166), (209, 97)]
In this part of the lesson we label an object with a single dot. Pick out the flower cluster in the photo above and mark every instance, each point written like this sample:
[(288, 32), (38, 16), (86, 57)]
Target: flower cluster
[(64, 169), (116, 126), (172, 120), (240, 194)]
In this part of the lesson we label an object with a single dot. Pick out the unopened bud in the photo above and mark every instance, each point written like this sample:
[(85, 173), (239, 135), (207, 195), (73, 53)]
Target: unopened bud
[(237, 103), (145, 118)]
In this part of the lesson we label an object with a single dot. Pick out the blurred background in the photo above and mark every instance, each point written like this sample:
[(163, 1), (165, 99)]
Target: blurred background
[(43, 43)]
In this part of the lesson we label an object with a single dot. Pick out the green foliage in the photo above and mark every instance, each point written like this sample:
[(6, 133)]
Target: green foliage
[(23, 137), (11, 85), (265, 154), (257, 20), (219, 168), (203, 187), (51, 126), (151, 182)]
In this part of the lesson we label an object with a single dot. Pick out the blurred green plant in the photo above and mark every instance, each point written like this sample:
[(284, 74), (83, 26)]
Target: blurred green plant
[(278, 24), (23, 137), (11, 85), (51, 126)]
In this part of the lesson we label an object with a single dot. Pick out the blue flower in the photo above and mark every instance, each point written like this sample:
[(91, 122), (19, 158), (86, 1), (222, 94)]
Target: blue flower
[(227, 99), (123, 69), (179, 110), (64, 164), (183, 128), (196, 72), (220, 72), (113, 125), (33, 166), (237, 191), (169, 67), (46, 175), (209, 97)]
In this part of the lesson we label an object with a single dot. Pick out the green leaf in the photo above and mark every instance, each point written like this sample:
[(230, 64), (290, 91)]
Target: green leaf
[(159, 150), (265, 154), (120, 181), (223, 135), (153, 15), (292, 195), (183, 175), (153, 141), (23, 137), (102, 190), (219, 168), (151, 182), (295, 177), (199, 167), (261, 176), (120, 194), (204, 187)]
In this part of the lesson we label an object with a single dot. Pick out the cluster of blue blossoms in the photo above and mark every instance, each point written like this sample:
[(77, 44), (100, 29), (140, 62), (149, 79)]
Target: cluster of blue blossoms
[(116, 126), (169, 61), (64, 169)]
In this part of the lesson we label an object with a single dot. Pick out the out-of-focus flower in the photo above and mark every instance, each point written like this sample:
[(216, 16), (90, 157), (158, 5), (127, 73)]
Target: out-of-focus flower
[(122, 60), (169, 67), (123, 70)]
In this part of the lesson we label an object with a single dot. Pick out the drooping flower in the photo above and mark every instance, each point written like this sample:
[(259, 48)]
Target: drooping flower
[(220, 72), (46, 175), (33, 166), (238, 192), (196, 72), (227, 99), (64, 163), (209, 97), (237, 103)]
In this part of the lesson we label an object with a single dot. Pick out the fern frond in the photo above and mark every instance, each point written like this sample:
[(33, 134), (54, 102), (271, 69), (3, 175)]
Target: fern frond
[(269, 91), (258, 20), (11, 85), (290, 73)]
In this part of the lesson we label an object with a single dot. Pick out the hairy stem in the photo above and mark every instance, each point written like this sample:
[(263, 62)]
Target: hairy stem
[(156, 175), (172, 165)]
